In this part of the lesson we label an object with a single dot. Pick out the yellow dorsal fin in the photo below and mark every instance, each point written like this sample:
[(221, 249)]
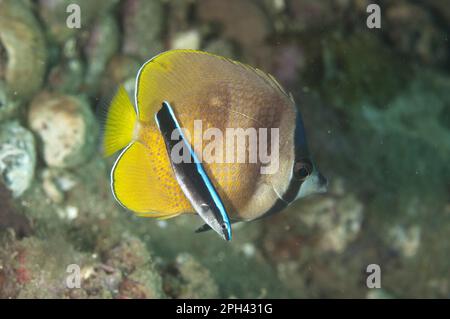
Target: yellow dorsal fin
[(173, 73)]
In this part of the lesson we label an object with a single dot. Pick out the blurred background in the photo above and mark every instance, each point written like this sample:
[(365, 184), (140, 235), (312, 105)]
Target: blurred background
[(376, 106)]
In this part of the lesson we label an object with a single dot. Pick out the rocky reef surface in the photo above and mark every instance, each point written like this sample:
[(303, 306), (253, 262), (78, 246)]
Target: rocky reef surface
[(375, 102)]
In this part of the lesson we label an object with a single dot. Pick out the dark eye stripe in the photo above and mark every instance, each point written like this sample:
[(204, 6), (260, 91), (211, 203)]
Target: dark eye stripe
[(301, 153), (302, 169)]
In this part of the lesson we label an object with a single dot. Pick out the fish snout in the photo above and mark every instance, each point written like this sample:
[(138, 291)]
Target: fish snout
[(323, 183)]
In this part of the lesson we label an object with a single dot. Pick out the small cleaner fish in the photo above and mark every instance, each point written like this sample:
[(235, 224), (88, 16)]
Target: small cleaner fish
[(174, 92), (191, 176)]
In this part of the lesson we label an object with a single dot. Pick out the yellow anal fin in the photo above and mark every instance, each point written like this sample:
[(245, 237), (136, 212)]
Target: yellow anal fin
[(119, 124), (158, 216), (143, 182)]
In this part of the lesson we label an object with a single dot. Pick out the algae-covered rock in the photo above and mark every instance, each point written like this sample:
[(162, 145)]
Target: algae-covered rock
[(441, 7), (66, 126), (414, 32), (221, 47), (11, 217), (405, 148), (99, 49), (338, 219), (187, 278), (128, 256), (17, 157), (54, 14), (289, 61), (68, 75), (405, 240), (23, 55), (311, 14), (245, 23), (140, 278), (328, 223), (37, 268), (143, 283), (52, 268), (420, 112), (142, 23), (8, 106), (186, 40), (121, 69), (359, 69), (56, 182)]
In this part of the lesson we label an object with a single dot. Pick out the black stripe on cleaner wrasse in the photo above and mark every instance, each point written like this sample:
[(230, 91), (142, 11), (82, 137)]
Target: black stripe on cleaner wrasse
[(247, 155), (192, 178)]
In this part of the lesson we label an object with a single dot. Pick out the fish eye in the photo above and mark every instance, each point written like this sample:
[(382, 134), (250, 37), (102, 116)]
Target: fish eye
[(302, 169), (224, 226)]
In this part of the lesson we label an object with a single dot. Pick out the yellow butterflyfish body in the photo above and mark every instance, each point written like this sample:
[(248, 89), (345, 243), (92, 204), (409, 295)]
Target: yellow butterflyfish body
[(219, 94)]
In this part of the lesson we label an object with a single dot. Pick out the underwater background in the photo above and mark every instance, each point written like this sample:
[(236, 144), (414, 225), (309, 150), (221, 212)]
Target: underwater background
[(375, 103)]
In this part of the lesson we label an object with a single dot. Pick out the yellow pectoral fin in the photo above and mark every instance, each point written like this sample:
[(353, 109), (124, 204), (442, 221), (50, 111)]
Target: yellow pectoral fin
[(143, 182)]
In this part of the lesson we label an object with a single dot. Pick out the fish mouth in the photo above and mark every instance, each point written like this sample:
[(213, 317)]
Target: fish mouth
[(223, 231), (223, 228), (215, 220), (315, 183), (225, 236), (322, 183)]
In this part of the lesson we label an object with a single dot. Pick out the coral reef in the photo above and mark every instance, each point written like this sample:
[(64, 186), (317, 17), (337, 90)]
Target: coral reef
[(17, 157), (54, 15), (65, 126), (32, 268), (186, 278), (142, 23), (23, 55)]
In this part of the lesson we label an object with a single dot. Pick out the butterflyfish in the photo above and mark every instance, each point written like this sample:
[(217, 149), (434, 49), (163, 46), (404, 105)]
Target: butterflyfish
[(240, 132)]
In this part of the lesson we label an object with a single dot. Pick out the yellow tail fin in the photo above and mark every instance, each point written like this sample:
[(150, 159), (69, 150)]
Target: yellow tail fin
[(119, 124)]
